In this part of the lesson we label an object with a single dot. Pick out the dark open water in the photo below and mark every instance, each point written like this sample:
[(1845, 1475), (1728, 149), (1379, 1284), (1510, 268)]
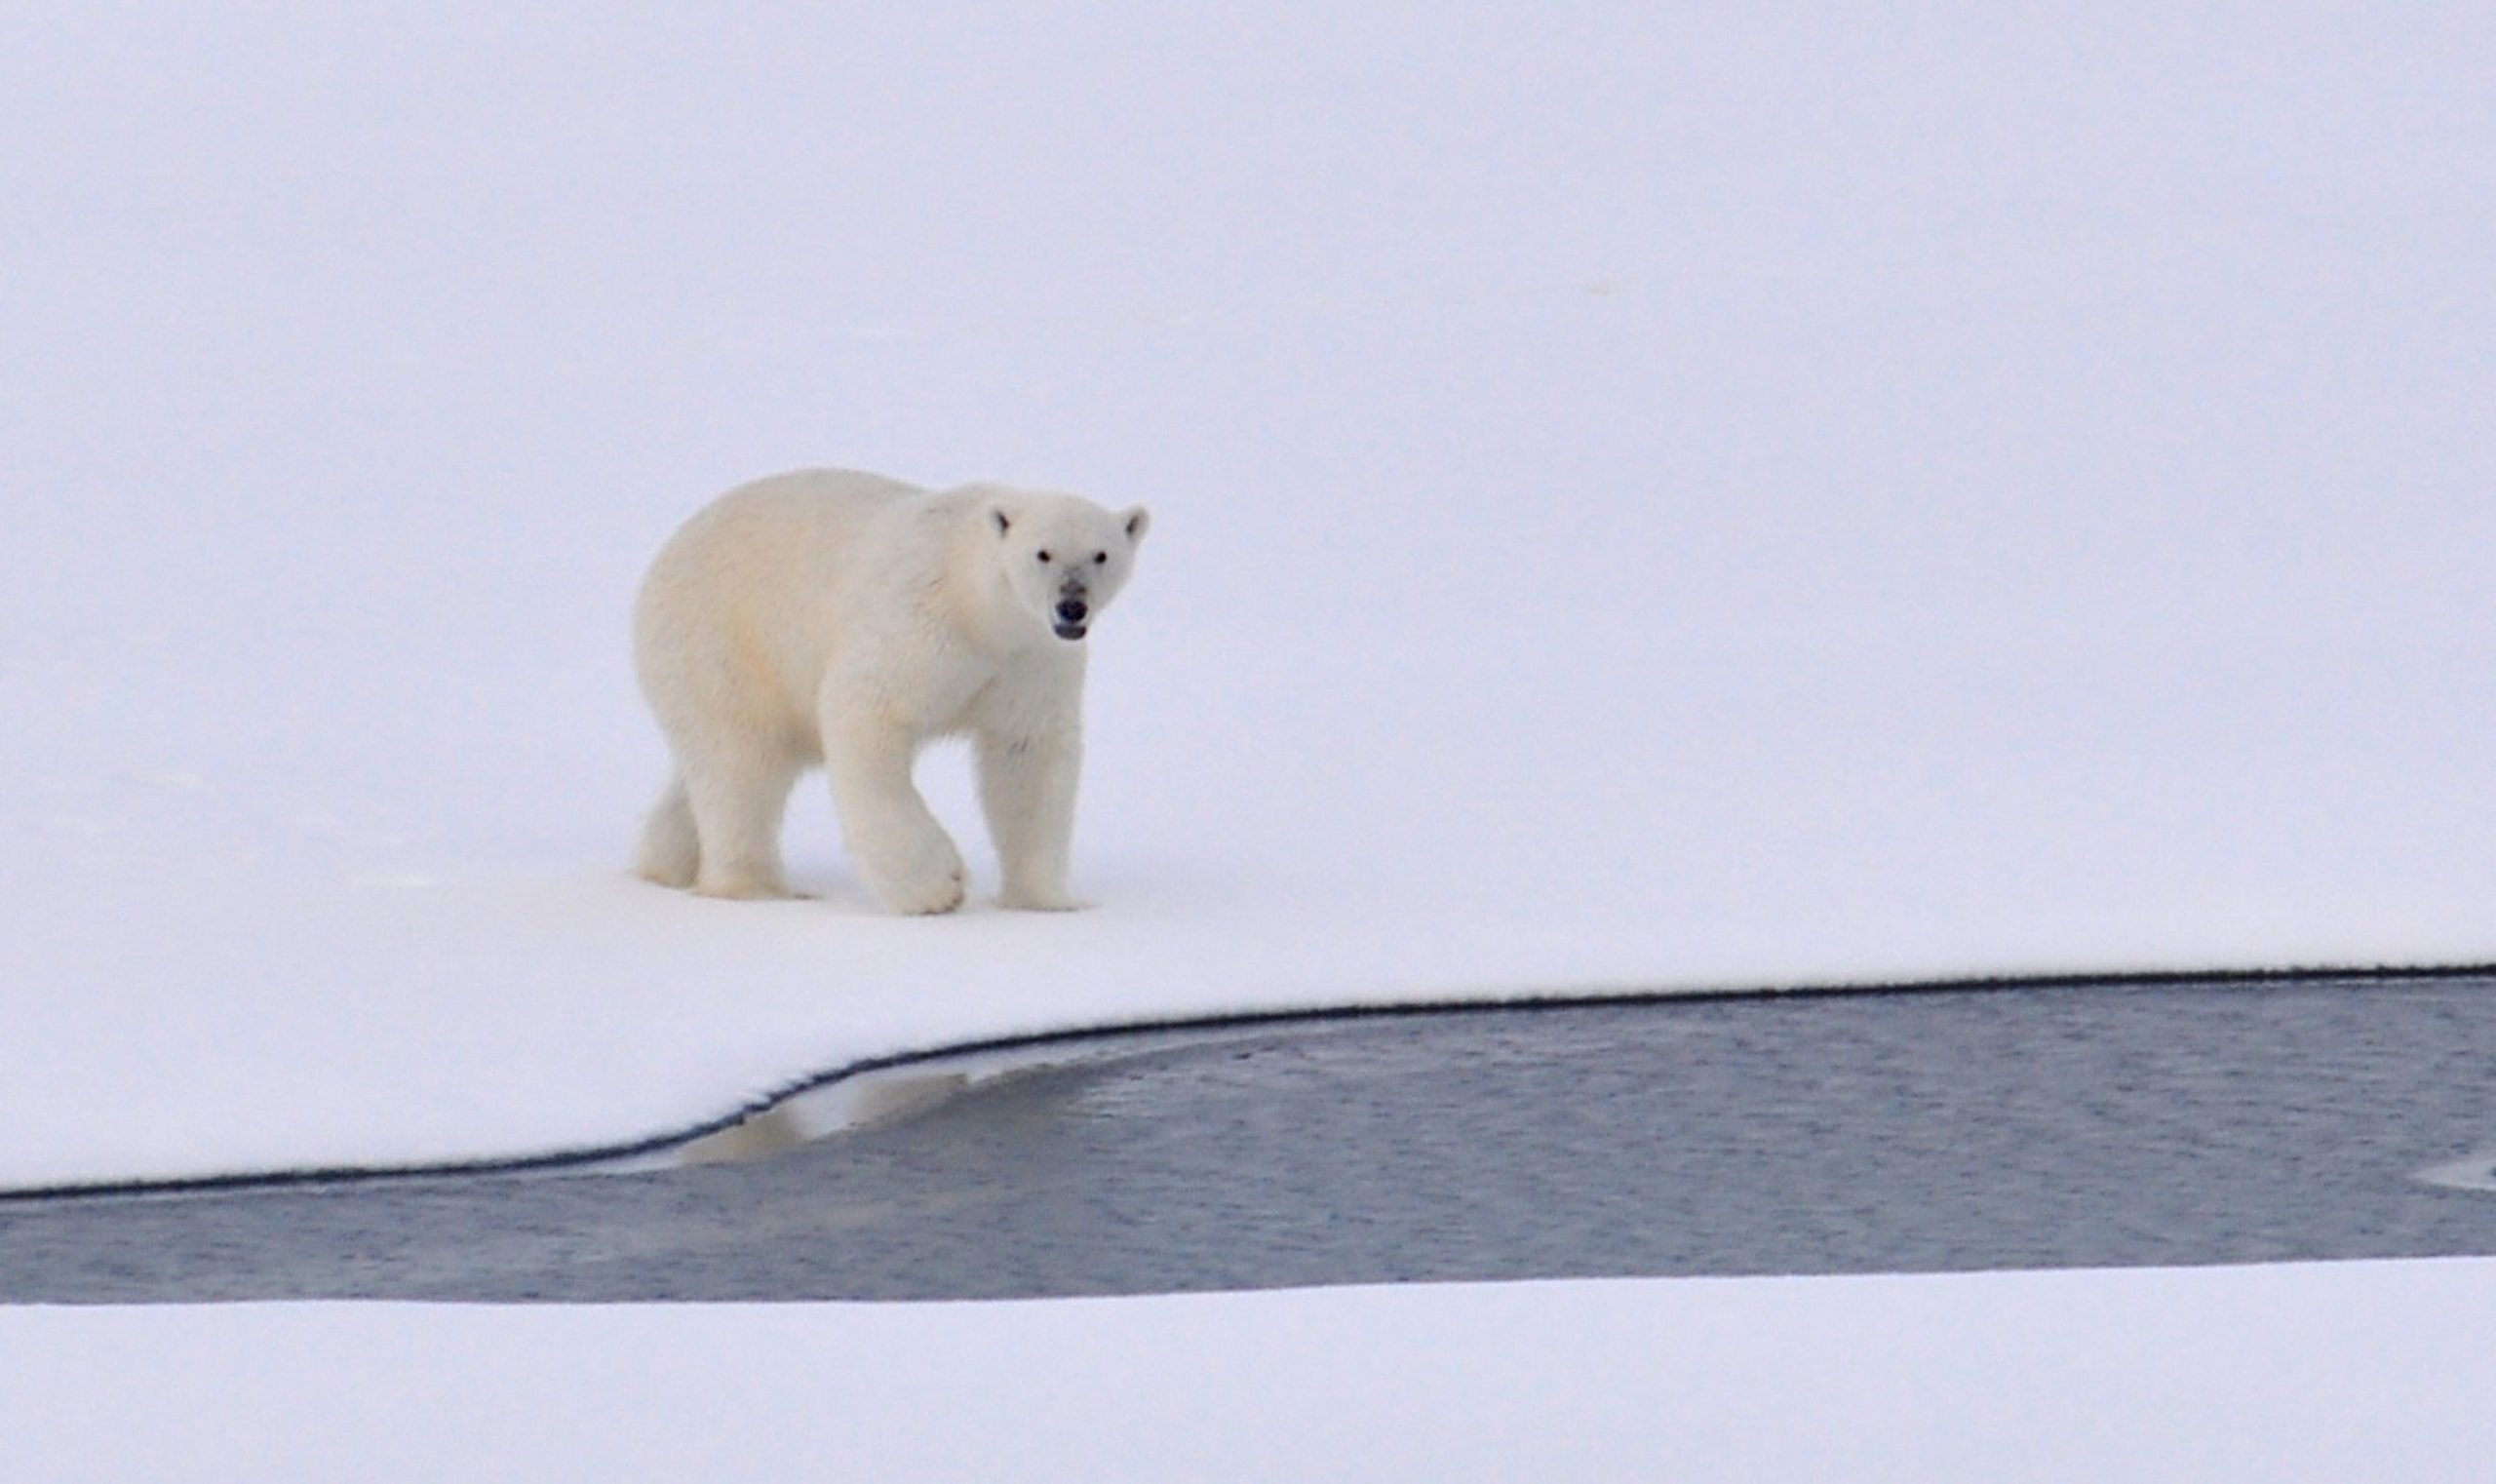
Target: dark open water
[(1891, 1132)]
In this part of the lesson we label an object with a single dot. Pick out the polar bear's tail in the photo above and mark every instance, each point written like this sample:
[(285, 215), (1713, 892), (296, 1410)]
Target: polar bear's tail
[(671, 852)]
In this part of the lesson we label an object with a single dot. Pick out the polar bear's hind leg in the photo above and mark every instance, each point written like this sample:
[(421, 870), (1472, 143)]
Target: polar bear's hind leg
[(737, 803), (671, 851)]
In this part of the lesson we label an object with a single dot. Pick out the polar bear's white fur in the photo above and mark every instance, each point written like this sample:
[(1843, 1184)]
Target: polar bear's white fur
[(843, 619)]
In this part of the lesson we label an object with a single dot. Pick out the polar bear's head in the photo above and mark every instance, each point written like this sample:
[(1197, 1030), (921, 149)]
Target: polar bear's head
[(1064, 558)]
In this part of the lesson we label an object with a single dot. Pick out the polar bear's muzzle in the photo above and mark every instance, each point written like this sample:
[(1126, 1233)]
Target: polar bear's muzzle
[(1072, 615)]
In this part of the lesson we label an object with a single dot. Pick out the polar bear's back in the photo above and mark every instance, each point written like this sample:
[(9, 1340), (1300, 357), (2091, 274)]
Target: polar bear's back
[(744, 602), (810, 513)]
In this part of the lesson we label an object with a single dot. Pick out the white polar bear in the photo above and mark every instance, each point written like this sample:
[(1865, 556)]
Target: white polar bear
[(843, 619)]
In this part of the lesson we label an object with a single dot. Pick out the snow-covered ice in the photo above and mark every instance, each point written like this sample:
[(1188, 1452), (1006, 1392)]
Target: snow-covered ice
[(1643, 499), (2255, 1376)]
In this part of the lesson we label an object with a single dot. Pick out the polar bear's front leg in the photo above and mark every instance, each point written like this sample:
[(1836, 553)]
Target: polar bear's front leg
[(900, 850), (1027, 787)]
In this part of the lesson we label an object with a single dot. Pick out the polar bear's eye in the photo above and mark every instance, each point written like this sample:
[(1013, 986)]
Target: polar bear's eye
[(1044, 556), (1099, 558)]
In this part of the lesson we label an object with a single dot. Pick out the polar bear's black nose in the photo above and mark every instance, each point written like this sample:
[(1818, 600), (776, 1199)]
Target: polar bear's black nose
[(1072, 610)]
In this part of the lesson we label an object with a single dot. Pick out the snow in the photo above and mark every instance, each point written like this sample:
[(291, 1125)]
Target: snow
[(2260, 1375), (1643, 499)]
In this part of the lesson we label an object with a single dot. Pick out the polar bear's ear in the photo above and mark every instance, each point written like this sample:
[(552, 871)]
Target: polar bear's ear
[(998, 518), (1138, 521)]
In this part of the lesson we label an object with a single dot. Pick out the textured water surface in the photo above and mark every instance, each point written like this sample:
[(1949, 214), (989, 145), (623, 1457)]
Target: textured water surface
[(1893, 1132)]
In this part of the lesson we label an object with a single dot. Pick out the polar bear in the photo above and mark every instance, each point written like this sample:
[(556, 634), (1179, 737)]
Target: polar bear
[(844, 618)]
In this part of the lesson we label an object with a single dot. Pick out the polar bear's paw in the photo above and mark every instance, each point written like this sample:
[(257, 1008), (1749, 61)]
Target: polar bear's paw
[(931, 881), (1039, 899), (676, 873), (742, 886), (926, 895)]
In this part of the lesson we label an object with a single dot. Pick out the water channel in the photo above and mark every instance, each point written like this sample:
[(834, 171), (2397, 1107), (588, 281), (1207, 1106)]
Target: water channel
[(2061, 1126)]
